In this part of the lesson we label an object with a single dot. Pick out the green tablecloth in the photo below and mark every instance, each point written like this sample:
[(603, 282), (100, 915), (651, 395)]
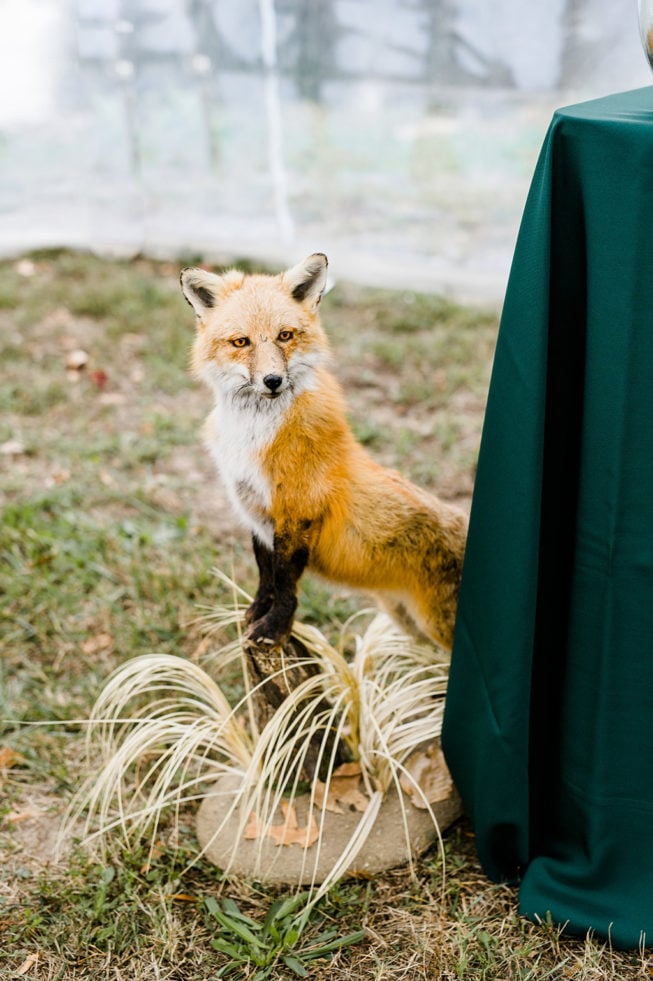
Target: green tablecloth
[(549, 721)]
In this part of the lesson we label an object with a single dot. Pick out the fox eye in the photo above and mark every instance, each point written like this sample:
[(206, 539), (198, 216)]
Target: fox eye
[(286, 335), (240, 341)]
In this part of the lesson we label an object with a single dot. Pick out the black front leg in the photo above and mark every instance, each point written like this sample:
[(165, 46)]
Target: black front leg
[(264, 598), (282, 568)]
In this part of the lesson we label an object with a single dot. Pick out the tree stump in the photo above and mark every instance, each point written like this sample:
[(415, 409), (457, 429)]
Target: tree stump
[(274, 672)]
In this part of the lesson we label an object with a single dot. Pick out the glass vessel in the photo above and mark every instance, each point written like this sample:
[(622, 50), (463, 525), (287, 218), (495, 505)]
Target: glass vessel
[(646, 27)]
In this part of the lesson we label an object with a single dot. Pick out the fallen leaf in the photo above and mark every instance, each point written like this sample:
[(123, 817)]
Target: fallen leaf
[(76, 360), (255, 828), (284, 834), (57, 477), (99, 378), (13, 447), (348, 770), (342, 789), (428, 779), (27, 964), (288, 833), (98, 644), (15, 817), (155, 853), (9, 757)]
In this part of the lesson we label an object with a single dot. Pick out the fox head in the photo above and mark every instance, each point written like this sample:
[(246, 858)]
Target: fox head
[(259, 337)]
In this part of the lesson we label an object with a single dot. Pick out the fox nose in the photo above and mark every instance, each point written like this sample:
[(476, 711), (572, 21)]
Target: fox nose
[(273, 382)]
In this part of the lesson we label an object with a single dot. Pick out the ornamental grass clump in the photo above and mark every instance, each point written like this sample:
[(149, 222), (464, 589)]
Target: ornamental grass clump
[(163, 734)]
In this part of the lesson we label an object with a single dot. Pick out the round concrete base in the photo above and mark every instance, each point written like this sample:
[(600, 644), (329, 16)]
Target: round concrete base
[(386, 846)]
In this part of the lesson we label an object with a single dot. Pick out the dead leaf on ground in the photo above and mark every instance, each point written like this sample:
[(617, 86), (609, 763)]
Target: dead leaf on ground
[(428, 779), (99, 378), (76, 360), (288, 833), (155, 853), (255, 828), (8, 757), (98, 644), (13, 447), (15, 817), (59, 476), (343, 791), (30, 961)]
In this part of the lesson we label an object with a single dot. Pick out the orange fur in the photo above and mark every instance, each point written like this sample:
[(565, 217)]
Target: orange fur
[(370, 527), (307, 482)]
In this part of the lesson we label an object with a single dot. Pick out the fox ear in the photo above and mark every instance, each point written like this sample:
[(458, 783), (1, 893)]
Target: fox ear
[(201, 288), (306, 281)]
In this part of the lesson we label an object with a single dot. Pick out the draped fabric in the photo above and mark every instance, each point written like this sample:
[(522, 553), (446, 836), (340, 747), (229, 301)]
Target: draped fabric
[(548, 727)]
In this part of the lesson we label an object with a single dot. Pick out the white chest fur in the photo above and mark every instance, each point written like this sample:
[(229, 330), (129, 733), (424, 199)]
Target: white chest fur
[(236, 438)]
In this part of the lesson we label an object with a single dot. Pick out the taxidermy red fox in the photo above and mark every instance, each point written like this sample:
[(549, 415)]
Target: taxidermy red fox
[(294, 473)]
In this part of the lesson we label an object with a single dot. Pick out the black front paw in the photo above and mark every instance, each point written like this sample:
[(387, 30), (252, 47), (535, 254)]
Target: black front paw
[(269, 629)]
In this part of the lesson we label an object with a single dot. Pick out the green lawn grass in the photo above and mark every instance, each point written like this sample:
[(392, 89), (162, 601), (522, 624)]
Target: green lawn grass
[(111, 526)]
